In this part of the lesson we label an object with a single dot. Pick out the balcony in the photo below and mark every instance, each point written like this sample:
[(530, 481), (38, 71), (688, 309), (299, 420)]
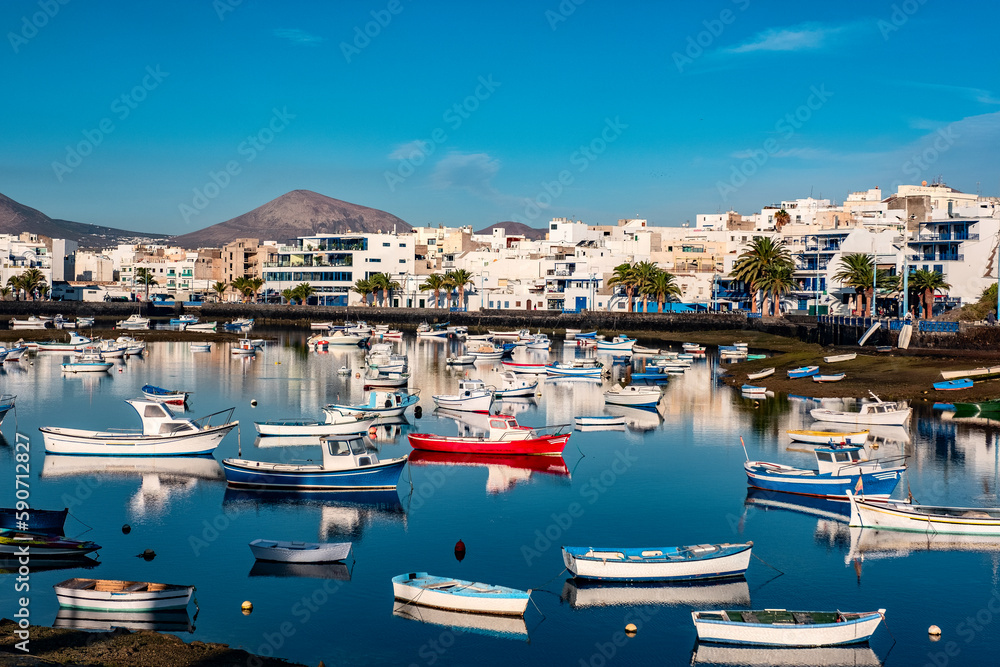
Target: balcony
[(931, 238), (939, 258)]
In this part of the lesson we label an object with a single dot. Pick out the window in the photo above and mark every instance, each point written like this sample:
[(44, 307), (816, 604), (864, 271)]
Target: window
[(517, 304), (385, 245), (842, 456), (402, 245), (506, 304), (375, 259), (402, 261), (824, 456), (338, 447)]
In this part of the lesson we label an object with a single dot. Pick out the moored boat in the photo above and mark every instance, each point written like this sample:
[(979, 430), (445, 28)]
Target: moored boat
[(161, 395), (89, 360), (7, 402), (505, 436), (472, 396), (200, 347), (753, 389), (767, 372), (830, 377), (459, 595), (931, 519), (837, 358), (461, 360), (779, 627), (616, 344), (113, 595), (42, 545), (202, 326), (953, 385), (383, 404), (828, 437), (512, 387), (134, 322), (281, 551), (335, 424), (76, 343), (607, 421), (527, 369), (634, 395), (703, 561), (803, 372), (839, 470), (878, 412), (577, 368), (36, 521)]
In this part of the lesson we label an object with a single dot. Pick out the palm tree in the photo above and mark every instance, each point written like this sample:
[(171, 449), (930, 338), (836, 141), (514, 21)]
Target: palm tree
[(43, 291), (926, 283), (288, 295), (458, 279), (661, 286), (255, 284), (380, 283), (144, 276), (388, 286), (776, 283), (363, 286), (15, 284), (220, 289), (31, 279), (625, 276), (781, 218), (645, 272), (435, 282), (763, 255), (303, 291), (5, 293)]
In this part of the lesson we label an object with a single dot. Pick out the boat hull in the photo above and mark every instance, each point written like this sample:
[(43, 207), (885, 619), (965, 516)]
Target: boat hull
[(500, 600), (827, 437), (39, 521), (551, 445), (300, 552), (785, 479), (702, 562), (787, 634), (288, 477), (891, 418), (292, 427), (527, 369), (609, 420), (920, 518), (480, 403), (73, 441), (174, 597)]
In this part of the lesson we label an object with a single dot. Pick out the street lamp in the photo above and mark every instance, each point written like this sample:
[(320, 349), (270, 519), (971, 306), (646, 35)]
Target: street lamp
[(483, 275)]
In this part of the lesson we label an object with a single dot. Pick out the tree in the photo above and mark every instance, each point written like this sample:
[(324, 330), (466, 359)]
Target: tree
[(645, 272), (363, 286), (661, 287), (762, 255), (288, 295), (777, 282), (625, 277), (16, 285), (926, 283), (458, 279), (434, 282), (781, 218), (5, 293), (255, 284), (303, 291), (144, 276), (387, 285), (220, 289), (43, 291)]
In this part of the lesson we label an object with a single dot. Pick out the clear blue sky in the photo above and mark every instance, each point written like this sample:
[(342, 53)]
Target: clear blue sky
[(876, 96)]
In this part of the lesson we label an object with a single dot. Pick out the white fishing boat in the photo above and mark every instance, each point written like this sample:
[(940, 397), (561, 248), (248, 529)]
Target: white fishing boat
[(837, 358), (459, 595), (616, 344), (279, 551), (539, 341), (487, 352), (113, 595), (383, 404), (461, 360), (703, 561), (200, 347), (336, 338), (981, 372), (375, 379), (202, 326), (779, 627), (111, 349), (511, 386), (382, 356), (336, 424), (162, 434), (88, 360), (425, 330), (828, 437), (598, 421), (634, 395), (767, 372), (134, 322), (829, 377), (243, 347), (76, 342), (472, 396), (589, 368), (930, 519), (32, 322), (877, 412), (13, 353)]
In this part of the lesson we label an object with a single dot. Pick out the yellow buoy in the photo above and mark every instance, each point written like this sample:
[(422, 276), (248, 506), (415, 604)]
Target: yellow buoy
[(247, 607), (630, 629), (934, 631)]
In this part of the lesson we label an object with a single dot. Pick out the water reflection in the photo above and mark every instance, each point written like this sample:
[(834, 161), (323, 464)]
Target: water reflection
[(581, 594), (829, 656), (338, 571), (503, 627), (868, 544), (11, 565), (505, 472), (168, 620)]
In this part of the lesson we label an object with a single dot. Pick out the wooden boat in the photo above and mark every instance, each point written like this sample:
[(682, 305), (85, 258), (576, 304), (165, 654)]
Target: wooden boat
[(512, 387), (200, 347), (616, 344), (778, 627), (472, 396), (953, 385), (42, 545), (578, 368), (335, 424), (6, 404), (829, 437), (350, 463), (162, 434), (878, 412), (803, 372), (839, 470), (50, 522), (931, 519), (634, 395), (982, 372), (76, 343), (837, 358), (527, 369), (505, 436), (90, 360), (832, 377), (767, 372), (243, 347), (703, 561), (280, 551), (161, 395), (111, 595), (134, 322), (461, 360), (337, 338), (487, 352), (459, 595), (383, 404), (609, 421), (868, 334), (202, 326)]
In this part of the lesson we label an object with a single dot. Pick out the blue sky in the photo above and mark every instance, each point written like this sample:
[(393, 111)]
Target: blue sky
[(174, 116)]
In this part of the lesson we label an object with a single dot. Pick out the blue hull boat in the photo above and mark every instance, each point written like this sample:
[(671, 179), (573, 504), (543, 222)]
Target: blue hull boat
[(953, 385), (803, 372), (841, 469), (651, 377), (6, 405), (39, 521)]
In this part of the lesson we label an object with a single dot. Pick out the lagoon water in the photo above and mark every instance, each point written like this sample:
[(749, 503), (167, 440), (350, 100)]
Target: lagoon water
[(672, 477)]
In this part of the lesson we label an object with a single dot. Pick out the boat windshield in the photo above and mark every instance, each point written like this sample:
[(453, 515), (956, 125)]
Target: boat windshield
[(339, 448), (358, 446)]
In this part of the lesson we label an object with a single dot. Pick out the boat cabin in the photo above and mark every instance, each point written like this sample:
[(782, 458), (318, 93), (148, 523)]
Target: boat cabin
[(833, 459), (346, 452), (158, 420), (467, 386), (505, 427), (880, 408)]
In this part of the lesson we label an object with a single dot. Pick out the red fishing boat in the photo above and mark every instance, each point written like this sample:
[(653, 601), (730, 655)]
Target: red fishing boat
[(506, 436)]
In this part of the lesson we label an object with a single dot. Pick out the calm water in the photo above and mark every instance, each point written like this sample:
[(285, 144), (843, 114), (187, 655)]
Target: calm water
[(672, 477)]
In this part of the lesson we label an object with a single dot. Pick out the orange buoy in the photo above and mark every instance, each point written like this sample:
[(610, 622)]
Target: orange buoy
[(459, 551)]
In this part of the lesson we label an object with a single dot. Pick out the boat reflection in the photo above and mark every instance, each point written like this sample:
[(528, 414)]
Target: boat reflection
[(166, 620), (163, 477), (770, 656), (514, 406), (262, 442), (833, 515), (581, 594), (877, 432), (505, 471), (504, 627), (338, 571), (637, 419), (11, 565), (470, 424), (341, 513), (869, 544)]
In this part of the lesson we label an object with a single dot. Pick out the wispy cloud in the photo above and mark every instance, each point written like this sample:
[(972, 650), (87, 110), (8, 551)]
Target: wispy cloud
[(802, 37), (472, 172), (409, 149), (297, 36)]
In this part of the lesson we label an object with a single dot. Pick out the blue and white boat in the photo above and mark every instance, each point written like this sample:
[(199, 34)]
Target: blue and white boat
[(803, 372), (241, 325), (578, 368), (89, 360), (703, 561), (589, 334), (6, 404), (658, 376), (382, 403), (350, 462), (953, 385), (600, 421), (753, 389), (184, 319), (459, 595), (840, 469), (780, 627), (616, 344)]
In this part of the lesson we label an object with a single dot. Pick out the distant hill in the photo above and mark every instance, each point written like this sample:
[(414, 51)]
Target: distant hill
[(297, 213), (16, 218), (517, 229)]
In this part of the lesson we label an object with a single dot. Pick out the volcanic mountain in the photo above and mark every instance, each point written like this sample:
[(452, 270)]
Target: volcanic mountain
[(517, 229), (16, 218), (294, 214)]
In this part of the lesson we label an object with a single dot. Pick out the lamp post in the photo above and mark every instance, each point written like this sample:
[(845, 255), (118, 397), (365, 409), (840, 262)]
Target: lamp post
[(593, 290), (482, 287), (816, 278)]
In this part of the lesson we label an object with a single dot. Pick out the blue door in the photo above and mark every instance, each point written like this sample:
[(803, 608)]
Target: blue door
[(581, 303)]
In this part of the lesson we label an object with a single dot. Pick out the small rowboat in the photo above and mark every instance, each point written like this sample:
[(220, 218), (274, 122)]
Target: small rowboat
[(39, 521), (506, 436), (335, 424), (200, 347), (279, 551), (929, 519), (761, 374), (459, 595), (110, 595), (778, 627), (610, 421), (837, 358), (41, 545), (834, 377), (634, 395), (161, 395), (953, 385), (461, 360), (828, 437), (529, 369), (803, 372), (704, 561)]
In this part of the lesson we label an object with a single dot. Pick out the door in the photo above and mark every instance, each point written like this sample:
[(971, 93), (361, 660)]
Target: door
[(581, 303)]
